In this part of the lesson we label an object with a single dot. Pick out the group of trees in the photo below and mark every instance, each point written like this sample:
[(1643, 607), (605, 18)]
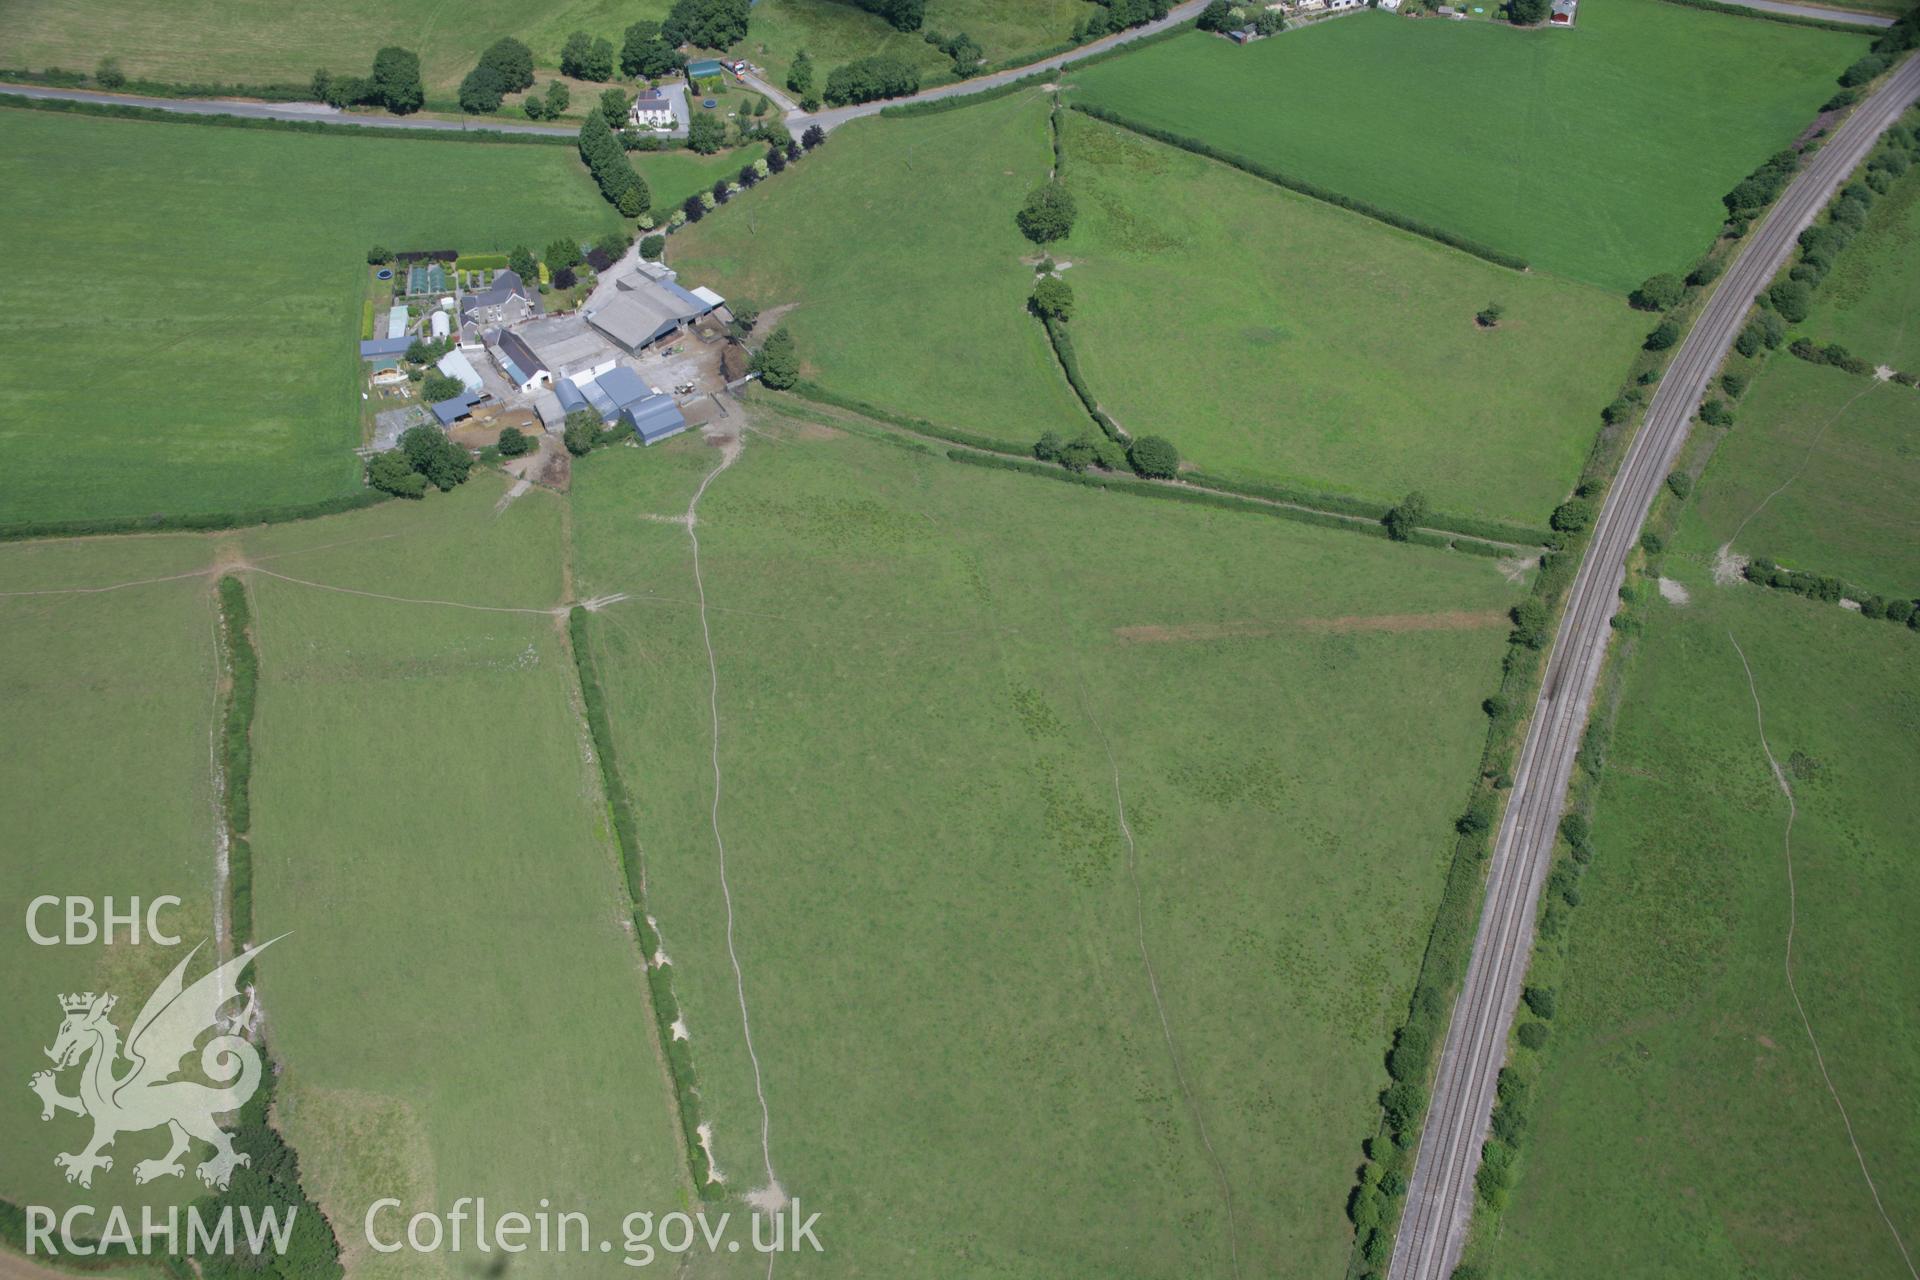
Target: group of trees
[(394, 84), (1118, 15), (962, 48), (646, 53), (587, 57), (607, 160), (1528, 13), (552, 105), (867, 79), (506, 67), (1899, 610), (710, 24), (778, 360), (425, 456)]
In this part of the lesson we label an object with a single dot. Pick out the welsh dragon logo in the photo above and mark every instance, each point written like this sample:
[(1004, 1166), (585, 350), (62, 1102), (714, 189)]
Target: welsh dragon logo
[(146, 1095)]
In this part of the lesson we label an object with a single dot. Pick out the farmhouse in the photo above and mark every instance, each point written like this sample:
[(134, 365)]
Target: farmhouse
[(652, 110), (508, 300)]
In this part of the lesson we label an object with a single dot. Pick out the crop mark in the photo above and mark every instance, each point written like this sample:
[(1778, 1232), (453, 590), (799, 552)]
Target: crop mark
[(1793, 919)]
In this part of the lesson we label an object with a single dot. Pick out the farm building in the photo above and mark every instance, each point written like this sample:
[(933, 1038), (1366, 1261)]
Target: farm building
[(383, 348), (644, 310), (652, 110), (653, 415), (547, 405), (547, 350), (451, 411), (1563, 11), (704, 69), (456, 365)]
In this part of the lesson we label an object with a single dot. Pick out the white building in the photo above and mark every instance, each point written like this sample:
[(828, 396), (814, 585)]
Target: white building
[(456, 365), (441, 324), (651, 110)]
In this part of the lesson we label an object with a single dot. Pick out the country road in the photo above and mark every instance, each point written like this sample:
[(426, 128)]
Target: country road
[(1441, 1196)]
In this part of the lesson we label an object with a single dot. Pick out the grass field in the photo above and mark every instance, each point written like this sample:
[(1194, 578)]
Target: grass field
[(1599, 153), (182, 335), (1819, 474), (460, 1006), (105, 789), (922, 669), (251, 41), (1682, 1128), (922, 314), (1870, 302), (1274, 337)]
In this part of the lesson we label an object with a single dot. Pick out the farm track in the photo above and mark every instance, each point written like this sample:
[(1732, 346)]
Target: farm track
[(1440, 1198)]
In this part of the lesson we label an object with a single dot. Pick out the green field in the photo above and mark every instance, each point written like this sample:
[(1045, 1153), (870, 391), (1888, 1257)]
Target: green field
[(1870, 302), (460, 1006), (1682, 1128), (922, 314), (105, 789), (1274, 337), (1599, 153), (922, 669), (251, 42), (1819, 474), (182, 335)]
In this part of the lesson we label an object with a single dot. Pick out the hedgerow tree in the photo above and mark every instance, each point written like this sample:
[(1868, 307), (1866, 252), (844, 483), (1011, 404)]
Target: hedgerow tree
[(777, 362), (1793, 299), (1154, 457), (108, 74), (1658, 293), (800, 74), (1052, 299), (390, 472), (481, 91), (444, 463), (607, 161), (1047, 214), (710, 24), (1664, 335), (511, 61), (1406, 516), (871, 78), (396, 80), (1217, 16)]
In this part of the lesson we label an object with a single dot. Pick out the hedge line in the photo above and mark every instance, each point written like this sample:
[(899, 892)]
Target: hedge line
[(666, 1008), (1305, 188), (820, 395), (1900, 610), (1790, 19), (55, 78), (236, 749), (201, 523), (124, 111), (1070, 365), (933, 106)]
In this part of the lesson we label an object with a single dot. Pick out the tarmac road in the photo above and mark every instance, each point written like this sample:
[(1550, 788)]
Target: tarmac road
[(1441, 1196)]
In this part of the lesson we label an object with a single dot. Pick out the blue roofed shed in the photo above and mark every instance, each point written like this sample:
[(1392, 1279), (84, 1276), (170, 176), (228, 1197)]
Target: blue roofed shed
[(451, 411), (379, 348)]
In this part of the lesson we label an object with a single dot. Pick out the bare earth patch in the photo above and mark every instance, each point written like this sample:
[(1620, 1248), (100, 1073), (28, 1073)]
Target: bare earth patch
[(1191, 632), (1673, 592), (1728, 568)]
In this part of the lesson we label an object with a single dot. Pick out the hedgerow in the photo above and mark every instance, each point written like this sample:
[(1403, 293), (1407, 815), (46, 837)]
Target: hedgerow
[(160, 115), (666, 1008), (236, 748)]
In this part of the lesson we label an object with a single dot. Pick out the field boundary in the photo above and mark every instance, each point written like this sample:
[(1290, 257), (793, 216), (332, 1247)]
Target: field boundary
[(1301, 186), (226, 120), (242, 667), (666, 1007), (205, 522), (1769, 15)]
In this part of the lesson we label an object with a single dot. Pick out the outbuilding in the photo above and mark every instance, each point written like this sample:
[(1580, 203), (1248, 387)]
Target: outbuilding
[(456, 365), (397, 322)]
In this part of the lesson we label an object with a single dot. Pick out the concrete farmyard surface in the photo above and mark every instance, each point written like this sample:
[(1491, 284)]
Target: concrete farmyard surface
[(1440, 1198)]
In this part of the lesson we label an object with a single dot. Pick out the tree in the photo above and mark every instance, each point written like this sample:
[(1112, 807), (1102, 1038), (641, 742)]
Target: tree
[(1658, 293), (444, 463), (1217, 16), (1540, 1001), (438, 386), (481, 91), (812, 138), (559, 98), (322, 84), (565, 278), (511, 61), (390, 472), (694, 208), (1533, 1035), (800, 75), (582, 428), (710, 24), (1572, 516), (652, 247), (1527, 13), (776, 159), (108, 74), (535, 106), (1793, 299), (1489, 317), (379, 255), (1047, 215), (871, 78), (396, 80), (706, 133), (1155, 457), (514, 442), (607, 161), (777, 363), (585, 58), (1406, 516), (1664, 335), (613, 107), (523, 264), (1052, 299), (644, 52)]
